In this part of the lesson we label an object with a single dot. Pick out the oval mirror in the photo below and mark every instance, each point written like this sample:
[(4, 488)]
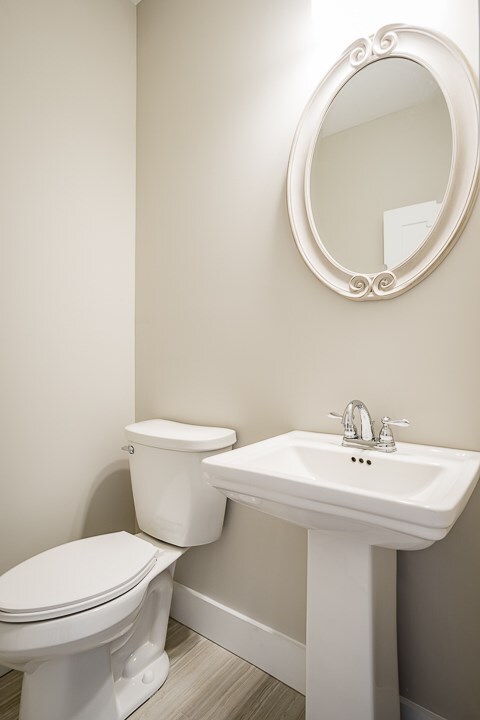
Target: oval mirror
[(384, 167)]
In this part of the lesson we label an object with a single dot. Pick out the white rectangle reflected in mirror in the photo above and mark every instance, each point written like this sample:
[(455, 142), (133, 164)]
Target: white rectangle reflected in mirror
[(405, 229)]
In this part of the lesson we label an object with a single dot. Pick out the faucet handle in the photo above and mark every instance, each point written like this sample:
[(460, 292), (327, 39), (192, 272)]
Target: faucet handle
[(335, 416), (385, 441), (400, 423), (350, 431)]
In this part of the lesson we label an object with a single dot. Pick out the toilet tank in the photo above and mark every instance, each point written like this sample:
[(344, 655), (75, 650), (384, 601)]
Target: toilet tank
[(173, 501)]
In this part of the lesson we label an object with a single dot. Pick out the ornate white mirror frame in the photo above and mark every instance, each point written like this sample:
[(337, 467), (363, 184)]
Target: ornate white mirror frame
[(450, 70)]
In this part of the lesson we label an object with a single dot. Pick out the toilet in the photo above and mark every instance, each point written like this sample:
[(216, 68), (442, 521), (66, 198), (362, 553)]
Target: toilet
[(86, 621)]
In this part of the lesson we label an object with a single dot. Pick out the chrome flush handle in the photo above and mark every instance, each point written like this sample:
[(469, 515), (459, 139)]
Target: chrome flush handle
[(128, 448)]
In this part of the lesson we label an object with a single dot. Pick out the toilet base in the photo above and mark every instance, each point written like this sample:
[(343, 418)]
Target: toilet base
[(110, 681), (82, 687)]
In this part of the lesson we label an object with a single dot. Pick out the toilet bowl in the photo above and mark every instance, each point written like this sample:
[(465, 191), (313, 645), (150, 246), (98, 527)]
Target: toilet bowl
[(86, 621)]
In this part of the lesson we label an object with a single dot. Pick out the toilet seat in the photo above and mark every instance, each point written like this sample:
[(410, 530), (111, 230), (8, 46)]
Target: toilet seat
[(73, 577)]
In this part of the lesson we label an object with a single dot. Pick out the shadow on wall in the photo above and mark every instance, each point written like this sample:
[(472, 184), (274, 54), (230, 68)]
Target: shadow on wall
[(110, 506)]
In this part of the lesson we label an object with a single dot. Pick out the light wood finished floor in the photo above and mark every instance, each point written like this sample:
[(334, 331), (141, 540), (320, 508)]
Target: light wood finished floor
[(205, 682)]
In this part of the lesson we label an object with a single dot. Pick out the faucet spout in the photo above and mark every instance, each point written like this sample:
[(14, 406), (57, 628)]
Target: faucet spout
[(366, 424)]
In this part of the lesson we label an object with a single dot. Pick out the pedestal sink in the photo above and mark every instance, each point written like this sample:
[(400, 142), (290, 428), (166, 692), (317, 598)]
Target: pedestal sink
[(360, 507)]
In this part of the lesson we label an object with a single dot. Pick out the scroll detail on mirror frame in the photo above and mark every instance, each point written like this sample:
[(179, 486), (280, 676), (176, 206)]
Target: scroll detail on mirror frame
[(450, 70), (379, 45), (379, 284)]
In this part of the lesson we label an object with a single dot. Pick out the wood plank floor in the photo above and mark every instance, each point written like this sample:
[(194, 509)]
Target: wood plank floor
[(205, 682), (10, 685)]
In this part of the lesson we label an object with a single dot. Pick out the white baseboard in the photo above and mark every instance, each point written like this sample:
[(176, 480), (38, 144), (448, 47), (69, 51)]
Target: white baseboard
[(3, 670), (412, 711), (262, 646)]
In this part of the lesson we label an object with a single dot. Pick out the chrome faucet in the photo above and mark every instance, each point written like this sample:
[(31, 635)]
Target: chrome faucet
[(385, 441)]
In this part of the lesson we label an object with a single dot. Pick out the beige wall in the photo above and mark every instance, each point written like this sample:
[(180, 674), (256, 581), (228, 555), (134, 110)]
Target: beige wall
[(67, 187), (232, 328)]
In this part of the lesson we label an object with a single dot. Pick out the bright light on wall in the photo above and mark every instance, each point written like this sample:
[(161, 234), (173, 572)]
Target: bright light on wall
[(351, 14), (338, 24)]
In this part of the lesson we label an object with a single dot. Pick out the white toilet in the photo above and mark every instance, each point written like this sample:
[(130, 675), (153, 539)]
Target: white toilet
[(87, 621)]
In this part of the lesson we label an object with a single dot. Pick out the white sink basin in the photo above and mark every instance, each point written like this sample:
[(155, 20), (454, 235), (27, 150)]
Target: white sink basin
[(359, 506), (407, 499)]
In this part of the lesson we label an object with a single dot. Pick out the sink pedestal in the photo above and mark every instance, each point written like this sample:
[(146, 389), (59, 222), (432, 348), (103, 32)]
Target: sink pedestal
[(351, 630)]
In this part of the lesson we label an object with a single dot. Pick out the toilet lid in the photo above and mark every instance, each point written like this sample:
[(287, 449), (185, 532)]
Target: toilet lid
[(74, 577)]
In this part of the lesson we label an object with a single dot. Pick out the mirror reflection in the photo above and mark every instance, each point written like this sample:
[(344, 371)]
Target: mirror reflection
[(380, 166)]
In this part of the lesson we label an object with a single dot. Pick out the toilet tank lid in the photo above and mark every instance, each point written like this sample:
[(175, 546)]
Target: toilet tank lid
[(170, 435)]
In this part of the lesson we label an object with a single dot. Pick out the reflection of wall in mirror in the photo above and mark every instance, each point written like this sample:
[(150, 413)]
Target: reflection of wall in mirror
[(360, 173)]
